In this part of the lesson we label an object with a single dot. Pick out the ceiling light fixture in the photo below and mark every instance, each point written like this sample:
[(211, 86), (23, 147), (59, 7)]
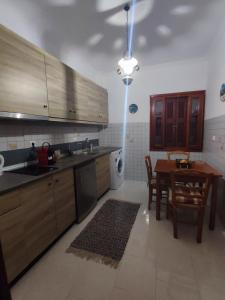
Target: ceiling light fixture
[(128, 64)]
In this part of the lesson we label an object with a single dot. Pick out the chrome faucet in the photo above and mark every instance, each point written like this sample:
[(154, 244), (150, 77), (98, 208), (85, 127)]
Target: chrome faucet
[(86, 144)]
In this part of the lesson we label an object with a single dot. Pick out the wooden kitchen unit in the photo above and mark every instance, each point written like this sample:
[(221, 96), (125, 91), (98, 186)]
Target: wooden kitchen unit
[(33, 216), (102, 174), (37, 84), (23, 79)]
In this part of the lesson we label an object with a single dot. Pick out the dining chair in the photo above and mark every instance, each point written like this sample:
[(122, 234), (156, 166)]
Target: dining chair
[(152, 183), (189, 191), (178, 154)]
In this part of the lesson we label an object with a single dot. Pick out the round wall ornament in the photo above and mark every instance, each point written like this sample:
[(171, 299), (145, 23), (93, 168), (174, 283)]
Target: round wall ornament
[(133, 108), (222, 93)]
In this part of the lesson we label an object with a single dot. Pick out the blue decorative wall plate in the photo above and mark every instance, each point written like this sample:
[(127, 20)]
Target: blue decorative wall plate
[(222, 92), (133, 108)]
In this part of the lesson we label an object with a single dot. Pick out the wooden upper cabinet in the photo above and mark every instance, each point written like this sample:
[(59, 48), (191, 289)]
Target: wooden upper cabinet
[(72, 96), (22, 78), (60, 86), (177, 121)]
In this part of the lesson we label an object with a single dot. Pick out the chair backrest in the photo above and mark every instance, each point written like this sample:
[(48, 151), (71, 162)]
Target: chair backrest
[(190, 187), (148, 167), (178, 154)]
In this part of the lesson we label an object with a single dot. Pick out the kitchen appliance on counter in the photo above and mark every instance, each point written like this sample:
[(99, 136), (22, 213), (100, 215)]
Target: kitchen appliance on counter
[(46, 155), (86, 189), (33, 170)]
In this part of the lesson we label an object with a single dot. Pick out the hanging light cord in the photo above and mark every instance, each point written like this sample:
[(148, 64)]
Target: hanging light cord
[(127, 33)]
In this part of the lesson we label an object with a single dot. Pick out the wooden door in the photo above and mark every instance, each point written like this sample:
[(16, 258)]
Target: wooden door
[(196, 121), (157, 122), (39, 216), (170, 122), (177, 121), (64, 199), (12, 234), (181, 121), (22, 76), (102, 174)]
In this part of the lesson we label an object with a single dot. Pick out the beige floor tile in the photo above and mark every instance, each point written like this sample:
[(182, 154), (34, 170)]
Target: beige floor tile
[(155, 266), (120, 294), (137, 276), (175, 291)]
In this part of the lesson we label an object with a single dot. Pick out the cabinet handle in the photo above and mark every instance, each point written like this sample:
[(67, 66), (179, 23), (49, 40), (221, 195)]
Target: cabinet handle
[(50, 183), (45, 106), (57, 180)]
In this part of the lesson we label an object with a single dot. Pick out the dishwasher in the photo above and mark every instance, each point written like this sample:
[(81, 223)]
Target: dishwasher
[(86, 189)]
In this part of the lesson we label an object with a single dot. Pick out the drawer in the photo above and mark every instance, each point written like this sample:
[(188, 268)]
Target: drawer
[(9, 201)]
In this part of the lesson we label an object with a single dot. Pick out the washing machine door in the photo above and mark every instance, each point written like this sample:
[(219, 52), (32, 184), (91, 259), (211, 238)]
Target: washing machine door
[(119, 166)]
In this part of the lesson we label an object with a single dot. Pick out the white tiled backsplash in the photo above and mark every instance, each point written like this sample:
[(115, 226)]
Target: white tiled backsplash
[(18, 135)]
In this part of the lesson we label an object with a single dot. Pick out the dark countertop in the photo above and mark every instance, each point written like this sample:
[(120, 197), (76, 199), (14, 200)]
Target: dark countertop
[(11, 181)]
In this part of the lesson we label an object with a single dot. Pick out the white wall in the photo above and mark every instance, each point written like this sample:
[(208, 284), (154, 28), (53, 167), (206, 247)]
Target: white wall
[(187, 75), (216, 76), (25, 18)]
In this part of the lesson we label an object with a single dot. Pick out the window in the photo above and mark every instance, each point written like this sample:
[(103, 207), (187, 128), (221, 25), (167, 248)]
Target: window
[(177, 121)]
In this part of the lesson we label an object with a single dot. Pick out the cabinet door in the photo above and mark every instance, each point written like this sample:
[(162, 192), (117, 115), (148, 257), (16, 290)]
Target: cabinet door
[(170, 122), (157, 120), (81, 98), (181, 121), (13, 243), (22, 77), (64, 199), (39, 216), (196, 121), (60, 85), (12, 234), (102, 174), (97, 103)]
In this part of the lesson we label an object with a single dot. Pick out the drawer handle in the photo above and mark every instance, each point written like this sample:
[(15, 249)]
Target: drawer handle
[(50, 183), (57, 180), (45, 106)]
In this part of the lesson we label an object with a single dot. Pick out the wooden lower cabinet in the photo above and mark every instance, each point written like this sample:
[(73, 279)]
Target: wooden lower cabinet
[(13, 242), (32, 217), (39, 216), (102, 174), (64, 200)]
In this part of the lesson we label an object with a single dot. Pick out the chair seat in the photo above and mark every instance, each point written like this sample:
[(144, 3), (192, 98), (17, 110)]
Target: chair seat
[(184, 196)]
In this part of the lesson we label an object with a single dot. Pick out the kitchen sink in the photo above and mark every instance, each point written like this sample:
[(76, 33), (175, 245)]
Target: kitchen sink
[(34, 170)]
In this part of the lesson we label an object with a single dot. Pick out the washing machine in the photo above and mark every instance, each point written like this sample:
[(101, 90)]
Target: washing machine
[(116, 169)]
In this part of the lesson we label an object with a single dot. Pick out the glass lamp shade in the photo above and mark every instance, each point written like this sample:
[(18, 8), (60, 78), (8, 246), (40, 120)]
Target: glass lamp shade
[(127, 65)]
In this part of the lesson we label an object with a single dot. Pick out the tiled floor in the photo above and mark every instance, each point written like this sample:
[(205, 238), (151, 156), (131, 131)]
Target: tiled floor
[(154, 266)]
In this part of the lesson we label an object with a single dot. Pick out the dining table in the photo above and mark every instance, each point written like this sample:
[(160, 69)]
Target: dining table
[(163, 169)]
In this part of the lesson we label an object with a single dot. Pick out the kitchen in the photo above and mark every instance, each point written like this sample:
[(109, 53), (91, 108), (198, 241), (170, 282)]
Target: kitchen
[(74, 137)]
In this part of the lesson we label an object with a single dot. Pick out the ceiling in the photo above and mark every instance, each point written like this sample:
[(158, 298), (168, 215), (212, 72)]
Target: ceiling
[(164, 31)]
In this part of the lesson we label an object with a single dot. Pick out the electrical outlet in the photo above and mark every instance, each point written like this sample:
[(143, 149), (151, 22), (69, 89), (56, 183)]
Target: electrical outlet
[(12, 146)]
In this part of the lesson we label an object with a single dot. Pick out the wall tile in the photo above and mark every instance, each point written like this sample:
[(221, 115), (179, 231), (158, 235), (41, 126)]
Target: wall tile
[(16, 135), (136, 147)]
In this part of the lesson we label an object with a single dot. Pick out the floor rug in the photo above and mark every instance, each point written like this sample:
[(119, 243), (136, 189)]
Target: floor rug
[(105, 237)]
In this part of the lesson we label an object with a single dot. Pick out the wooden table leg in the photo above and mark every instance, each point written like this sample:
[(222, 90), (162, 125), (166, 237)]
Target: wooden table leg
[(158, 196), (4, 287), (213, 204)]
